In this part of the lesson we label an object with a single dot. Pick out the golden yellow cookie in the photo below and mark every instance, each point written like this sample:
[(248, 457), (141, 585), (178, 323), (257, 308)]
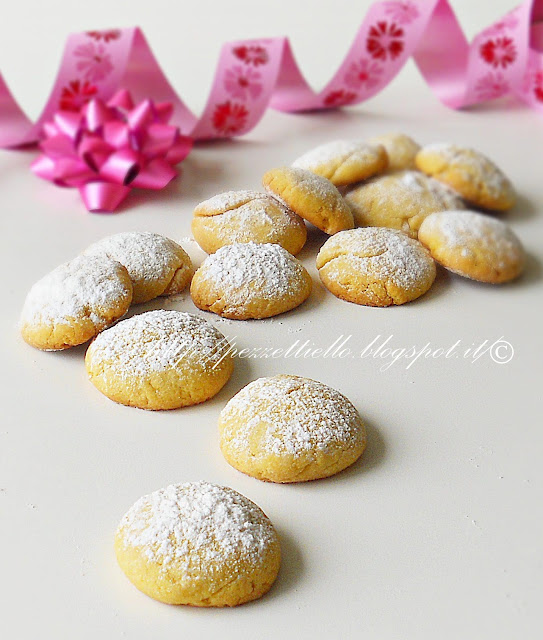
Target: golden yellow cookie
[(376, 267), (250, 280), (401, 150), (400, 201), (344, 162), (157, 265), (160, 360), (473, 175), (310, 196), (198, 544), (74, 302), (473, 245), (247, 216), (290, 429)]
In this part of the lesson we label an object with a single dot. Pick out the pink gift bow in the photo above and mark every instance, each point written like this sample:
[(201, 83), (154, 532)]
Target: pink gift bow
[(504, 59), (106, 149)]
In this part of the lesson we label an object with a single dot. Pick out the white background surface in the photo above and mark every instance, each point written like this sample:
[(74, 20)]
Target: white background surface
[(436, 532)]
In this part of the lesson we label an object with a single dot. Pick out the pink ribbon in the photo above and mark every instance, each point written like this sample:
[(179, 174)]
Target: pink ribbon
[(506, 58), (106, 149)]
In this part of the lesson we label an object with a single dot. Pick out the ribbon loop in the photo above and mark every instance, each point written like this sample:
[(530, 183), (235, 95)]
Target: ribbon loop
[(106, 149)]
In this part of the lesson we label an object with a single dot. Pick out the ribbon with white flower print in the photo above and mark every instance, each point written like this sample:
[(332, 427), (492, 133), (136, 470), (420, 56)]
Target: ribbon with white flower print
[(506, 58)]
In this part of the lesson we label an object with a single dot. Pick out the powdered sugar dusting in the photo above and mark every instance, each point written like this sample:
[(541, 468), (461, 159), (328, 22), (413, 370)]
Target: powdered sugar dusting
[(400, 200), (383, 254), (419, 184), (236, 268), (145, 255), (337, 152), (87, 286), (226, 201), (198, 527), (258, 214), (295, 416), (467, 231), (309, 183), (473, 165), (158, 341)]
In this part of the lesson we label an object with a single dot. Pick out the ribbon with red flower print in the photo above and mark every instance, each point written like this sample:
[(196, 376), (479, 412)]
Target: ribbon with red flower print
[(252, 75)]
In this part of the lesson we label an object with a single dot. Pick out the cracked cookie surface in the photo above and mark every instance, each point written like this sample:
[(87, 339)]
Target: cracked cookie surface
[(250, 280), (400, 200), (160, 360), (247, 216), (198, 544), (311, 196), (344, 162), (290, 429), (376, 267), (474, 176), (157, 265), (74, 302), (473, 245)]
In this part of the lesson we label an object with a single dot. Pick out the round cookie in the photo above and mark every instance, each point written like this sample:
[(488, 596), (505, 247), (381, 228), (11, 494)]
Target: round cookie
[(74, 302), (247, 216), (376, 267), (160, 360), (473, 245), (344, 162), (400, 201), (250, 280), (473, 175), (198, 544), (401, 150), (290, 429), (310, 196), (157, 265)]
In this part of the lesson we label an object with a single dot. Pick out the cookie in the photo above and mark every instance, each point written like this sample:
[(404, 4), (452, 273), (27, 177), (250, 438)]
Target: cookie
[(160, 360), (400, 201), (311, 196), (401, 150), (74, 302), (157, 265), (247, 216), (470, 173), (376, 267), (290, 429), (473, 245), (344, 162), (198, 544), (250, 280)]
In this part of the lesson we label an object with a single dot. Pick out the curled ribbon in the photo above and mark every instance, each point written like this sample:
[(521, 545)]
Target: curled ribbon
[(106, 149), (506, 58)]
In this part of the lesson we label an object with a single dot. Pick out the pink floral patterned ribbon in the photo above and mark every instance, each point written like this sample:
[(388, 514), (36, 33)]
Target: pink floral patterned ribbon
[(251, 75)]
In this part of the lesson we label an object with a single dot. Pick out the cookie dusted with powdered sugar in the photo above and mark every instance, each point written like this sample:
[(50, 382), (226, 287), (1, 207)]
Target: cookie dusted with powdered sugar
[(401, 150), (400, 201), (157, 265), (250, 280), (375, 267), (344, 162), (74, 302), (160, 360), (472, 174), (290, 429), (311, 196), (473, 245), (247, 216), (198, 544)]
